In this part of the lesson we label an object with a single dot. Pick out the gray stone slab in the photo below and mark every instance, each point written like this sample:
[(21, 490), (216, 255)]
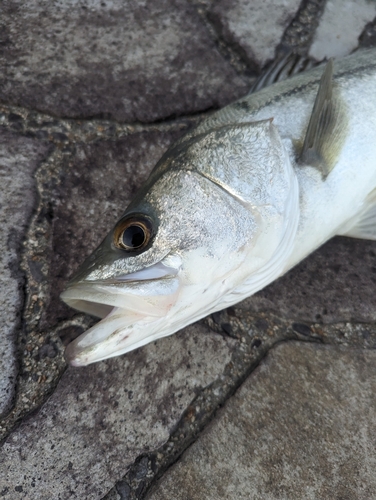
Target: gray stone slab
[(340, 27), (336, 283), (19, 157), (133, 61), (100, 418), (303, 425), (256, 27)]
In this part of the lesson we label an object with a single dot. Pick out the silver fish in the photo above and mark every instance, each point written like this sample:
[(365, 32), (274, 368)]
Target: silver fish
[(233, 205)]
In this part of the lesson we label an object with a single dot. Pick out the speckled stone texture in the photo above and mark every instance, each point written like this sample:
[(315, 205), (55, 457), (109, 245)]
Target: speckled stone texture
[(256, 27), (132, 61), (340, 27), (302, 426), (103, 416), (19, 157)]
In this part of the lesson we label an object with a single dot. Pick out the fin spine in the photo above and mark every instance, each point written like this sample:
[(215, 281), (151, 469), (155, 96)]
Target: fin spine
[(320, 123)]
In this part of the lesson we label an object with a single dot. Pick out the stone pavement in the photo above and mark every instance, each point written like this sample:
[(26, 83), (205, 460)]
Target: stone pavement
[(273, 398)]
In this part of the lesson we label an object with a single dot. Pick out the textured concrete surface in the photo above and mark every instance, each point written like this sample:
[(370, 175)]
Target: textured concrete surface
[(133, 61), (302, 426), (19, 158), (255, 27), (92, 93), (341, 26), (102, 417)]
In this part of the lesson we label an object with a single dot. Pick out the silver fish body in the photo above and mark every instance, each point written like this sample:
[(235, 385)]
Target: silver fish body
[(232, 206)]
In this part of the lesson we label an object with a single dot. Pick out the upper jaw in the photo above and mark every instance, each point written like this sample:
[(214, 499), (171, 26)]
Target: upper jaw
[(132, 291), (99, 298)]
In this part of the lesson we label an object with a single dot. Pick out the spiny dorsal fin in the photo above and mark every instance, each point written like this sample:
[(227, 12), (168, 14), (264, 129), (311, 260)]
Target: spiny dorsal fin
[(321, 124), (285, 67)]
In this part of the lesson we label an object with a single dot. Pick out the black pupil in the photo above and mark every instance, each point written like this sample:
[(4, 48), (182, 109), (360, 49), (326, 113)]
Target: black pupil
[(133, 237)]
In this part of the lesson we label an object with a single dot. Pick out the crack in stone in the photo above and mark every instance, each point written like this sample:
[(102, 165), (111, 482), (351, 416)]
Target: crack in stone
[(304, 357), (300, 32), (33, 387), (256, 334), (368, 36), (232, 52), (62, 131), (148, 468)]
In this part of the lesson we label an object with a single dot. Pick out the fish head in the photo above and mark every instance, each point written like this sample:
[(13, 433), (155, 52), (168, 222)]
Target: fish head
[(201, 225)]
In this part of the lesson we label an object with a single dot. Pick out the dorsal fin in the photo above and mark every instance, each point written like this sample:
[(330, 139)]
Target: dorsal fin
[(321, 124), (288, 65)]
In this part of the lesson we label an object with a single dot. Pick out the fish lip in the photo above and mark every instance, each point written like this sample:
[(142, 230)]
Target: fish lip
[(116, 281), (84, 294), (72, 354), (154, 272), (159, 270)]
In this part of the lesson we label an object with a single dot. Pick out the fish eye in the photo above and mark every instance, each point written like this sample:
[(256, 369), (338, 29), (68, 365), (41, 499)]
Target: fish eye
[(133, 233)]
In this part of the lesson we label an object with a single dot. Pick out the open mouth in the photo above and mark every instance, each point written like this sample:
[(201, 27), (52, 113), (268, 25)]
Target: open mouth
[(132, 307)]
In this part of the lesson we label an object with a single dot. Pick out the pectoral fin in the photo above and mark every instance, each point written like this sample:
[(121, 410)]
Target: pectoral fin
[(363, 225), (326, 127)]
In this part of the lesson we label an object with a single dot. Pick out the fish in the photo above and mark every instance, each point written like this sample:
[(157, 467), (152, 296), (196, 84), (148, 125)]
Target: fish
[(233, 205)]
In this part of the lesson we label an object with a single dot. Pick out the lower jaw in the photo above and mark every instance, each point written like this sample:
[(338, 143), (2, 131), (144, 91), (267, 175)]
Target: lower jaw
[(116, 321)]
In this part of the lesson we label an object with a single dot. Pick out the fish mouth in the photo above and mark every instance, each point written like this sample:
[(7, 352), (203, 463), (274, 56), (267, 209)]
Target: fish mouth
[(132, 306)]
